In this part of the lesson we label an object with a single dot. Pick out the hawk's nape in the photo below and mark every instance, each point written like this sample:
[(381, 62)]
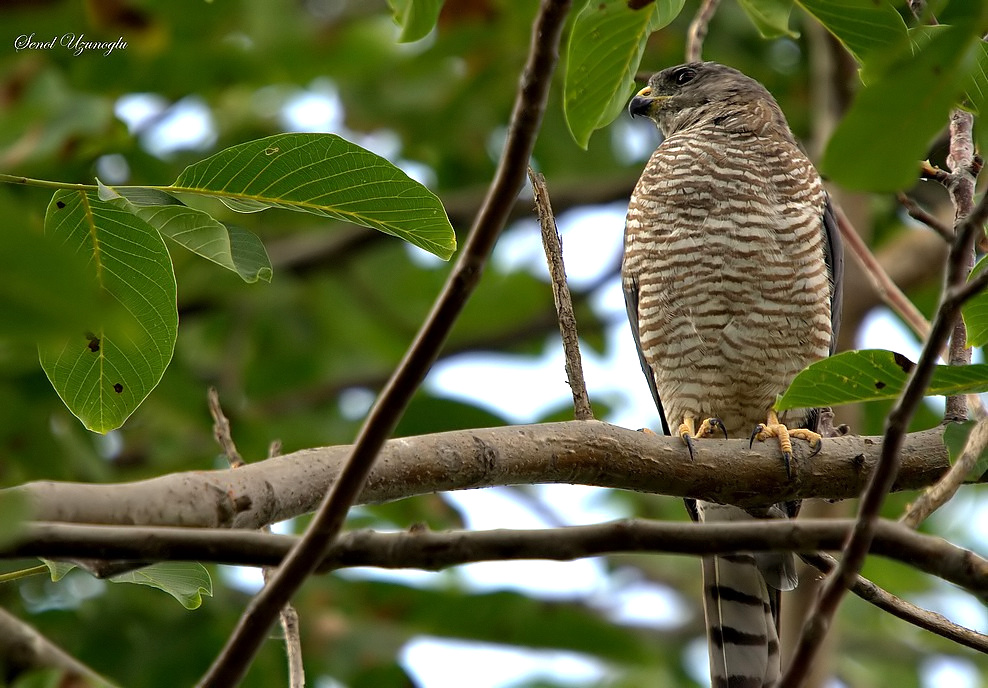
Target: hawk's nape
[(731, 274)]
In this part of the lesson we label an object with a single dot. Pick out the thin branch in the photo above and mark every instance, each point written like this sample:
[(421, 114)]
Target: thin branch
[(243, 644), (553, 245), (920, 214), (698, 30), (883, 284), (961, 162), (939, 494), (221, 429), (886, 601), (23, 648), (882, 480), (288, 617), (434, 551)]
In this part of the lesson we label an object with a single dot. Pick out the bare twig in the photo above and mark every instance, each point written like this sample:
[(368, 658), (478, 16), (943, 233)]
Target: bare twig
[(883, 284), (939, 494), (553, 245), (221, 430), (698, 30), (920, 214), (886, 601), (288, 617), (526, 119), (883, 478)]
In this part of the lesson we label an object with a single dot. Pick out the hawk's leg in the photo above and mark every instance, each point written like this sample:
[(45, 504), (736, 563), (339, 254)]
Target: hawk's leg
[(688, 431), (773, 428)]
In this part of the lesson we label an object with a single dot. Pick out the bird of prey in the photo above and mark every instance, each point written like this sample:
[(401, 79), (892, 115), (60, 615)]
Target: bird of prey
[(731, 273)]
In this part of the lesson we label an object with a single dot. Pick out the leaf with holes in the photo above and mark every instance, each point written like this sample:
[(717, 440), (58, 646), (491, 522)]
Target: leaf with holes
[(325, 175), (602, 57), (873, 375), (234, 248), (104, 373)]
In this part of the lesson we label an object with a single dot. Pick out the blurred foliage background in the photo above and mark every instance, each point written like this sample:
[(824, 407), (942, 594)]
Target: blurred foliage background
[(298, 360)]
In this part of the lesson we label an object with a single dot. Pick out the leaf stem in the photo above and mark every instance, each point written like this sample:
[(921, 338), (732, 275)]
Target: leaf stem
[(23, 573), (44, 183)]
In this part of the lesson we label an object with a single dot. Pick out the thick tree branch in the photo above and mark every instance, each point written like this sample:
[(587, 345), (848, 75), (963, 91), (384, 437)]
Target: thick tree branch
[(580, 452), (231, 664)]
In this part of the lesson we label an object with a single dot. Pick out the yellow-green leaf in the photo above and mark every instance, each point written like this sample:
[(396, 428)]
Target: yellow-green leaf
[(415, 17), (602, 57), (873, 375), (325, 175), (187, 582), (770, 17), (234, 248)]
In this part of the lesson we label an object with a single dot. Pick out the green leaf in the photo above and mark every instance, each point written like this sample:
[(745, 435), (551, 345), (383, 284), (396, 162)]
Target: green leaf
[(975, 312), (54, 306), (58, 569), (103, 373), (325, 175), (873, 375), (770, 17), (235, 249), (955, 439), (602, 57), (186, 582), (880, 142), (415, 17), (864, 28)]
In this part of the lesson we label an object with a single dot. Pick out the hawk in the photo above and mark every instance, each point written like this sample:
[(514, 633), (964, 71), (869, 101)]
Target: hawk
[(731, 274)]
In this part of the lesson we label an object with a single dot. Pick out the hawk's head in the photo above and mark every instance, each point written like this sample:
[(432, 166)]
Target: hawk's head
[(703, 93)]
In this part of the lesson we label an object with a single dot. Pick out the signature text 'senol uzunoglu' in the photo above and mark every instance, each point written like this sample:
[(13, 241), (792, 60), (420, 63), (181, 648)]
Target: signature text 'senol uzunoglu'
[(76, 43)]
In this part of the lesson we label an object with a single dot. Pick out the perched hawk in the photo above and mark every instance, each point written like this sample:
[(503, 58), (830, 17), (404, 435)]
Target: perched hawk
[(731, 275)]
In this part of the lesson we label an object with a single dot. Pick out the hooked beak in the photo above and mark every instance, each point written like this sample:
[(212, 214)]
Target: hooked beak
[(642, 103)]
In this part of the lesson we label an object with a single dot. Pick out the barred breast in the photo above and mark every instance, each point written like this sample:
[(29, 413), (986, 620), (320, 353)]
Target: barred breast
[(724, 238)]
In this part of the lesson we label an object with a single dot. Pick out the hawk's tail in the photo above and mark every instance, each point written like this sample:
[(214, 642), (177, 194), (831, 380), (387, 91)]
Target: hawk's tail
[(742, 630)]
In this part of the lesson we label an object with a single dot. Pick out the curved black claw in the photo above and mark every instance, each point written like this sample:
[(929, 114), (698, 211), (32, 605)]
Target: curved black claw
[(787, 460), (689, 445), (754, 434), (718, 423), (816, 450)]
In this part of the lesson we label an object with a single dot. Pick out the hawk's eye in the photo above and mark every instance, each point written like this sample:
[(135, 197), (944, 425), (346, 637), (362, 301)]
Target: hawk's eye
[(684, 76)]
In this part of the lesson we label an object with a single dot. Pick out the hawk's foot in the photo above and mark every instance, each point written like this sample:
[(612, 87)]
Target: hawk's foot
[(773, 428), (708, 428)]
